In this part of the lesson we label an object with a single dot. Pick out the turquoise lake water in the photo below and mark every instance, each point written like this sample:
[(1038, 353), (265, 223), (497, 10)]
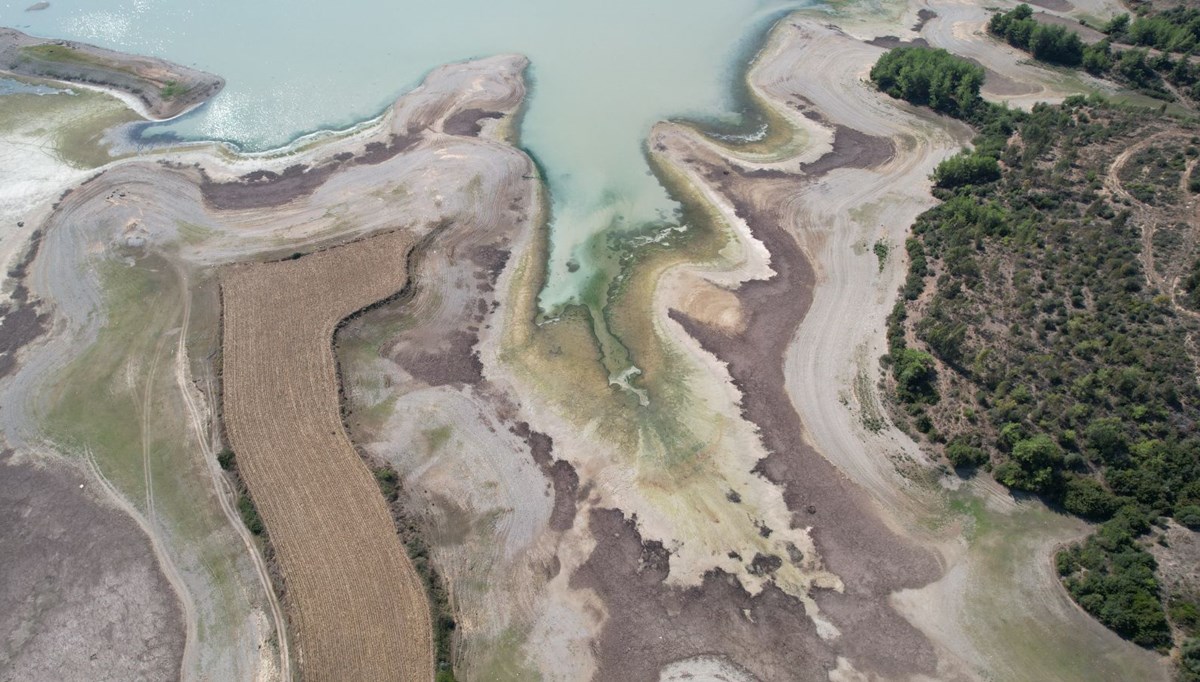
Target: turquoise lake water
[(603, 73)]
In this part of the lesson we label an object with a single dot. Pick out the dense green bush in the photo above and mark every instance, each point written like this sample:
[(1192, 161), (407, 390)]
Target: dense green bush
[(966, 168), (250, 515), (1047, 42), (389, 482), (1134, 68), (1189, 661), (1033, 465), (1173, 30), (1097, 58), (1112, 578), (963, 454), (1056, 44), (915, 374), (930, 77), (1191, 286), (1086, 497), (1188, 515)]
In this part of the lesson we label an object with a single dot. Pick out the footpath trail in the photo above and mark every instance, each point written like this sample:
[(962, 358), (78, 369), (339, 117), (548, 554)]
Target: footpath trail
[(358, 608)]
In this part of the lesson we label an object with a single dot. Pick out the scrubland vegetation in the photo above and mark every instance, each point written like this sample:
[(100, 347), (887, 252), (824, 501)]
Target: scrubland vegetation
[(1162, 75), (1029, 340)]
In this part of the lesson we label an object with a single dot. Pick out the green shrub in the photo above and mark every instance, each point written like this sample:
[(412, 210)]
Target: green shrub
[(389, 482), (1189, 661), (915, 373), (1185, 614), (250, 515), (964, 455), (1188, 515), (171, 90), (1056, 45), (966, 169), (1087, 498), (1113, 579), (1037, 460)]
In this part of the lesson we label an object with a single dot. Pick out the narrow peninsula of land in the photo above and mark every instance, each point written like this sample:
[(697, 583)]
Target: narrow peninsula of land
[(163, 89)]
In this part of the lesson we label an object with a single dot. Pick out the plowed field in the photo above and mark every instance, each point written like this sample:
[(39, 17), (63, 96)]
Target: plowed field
[(356, 606)]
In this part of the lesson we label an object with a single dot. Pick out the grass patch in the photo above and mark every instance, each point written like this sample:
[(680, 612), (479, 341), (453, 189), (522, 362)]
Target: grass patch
[(171, 89), (51, 52), (97, 404), (437, 438), (73, 123)]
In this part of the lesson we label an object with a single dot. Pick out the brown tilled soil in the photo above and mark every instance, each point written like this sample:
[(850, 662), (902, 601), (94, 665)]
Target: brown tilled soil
[(357, 607), (82, 596)]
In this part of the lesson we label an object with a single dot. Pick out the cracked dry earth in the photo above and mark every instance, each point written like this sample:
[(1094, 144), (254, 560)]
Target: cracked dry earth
[(83, 597)]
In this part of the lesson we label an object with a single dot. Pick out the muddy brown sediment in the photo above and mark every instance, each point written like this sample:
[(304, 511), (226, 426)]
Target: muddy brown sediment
[(456, 362), (852, 540), (852, 149), (264, 189), (444, 355), (378, 152), (21, 318), (560, 472), (889, 42), (924, 16), (469, 122), (651, 624)]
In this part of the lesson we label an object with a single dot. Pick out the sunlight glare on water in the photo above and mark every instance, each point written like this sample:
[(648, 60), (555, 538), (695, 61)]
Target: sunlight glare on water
[(603, 73)]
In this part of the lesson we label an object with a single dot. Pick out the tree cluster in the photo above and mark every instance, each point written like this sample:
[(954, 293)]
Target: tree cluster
[(1172, 30), (1150, 74), (1043, 353), (930, 77), (1048, 42)]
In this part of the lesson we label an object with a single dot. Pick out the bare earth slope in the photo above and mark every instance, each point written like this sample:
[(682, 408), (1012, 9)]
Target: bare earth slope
[(357, 606)]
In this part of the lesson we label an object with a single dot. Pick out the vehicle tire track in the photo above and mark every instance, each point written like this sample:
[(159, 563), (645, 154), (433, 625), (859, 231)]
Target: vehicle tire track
[(170, 571), (198, 415)]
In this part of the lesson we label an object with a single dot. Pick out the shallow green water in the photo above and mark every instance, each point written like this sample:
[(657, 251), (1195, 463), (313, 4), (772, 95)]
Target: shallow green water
[(603, 73)]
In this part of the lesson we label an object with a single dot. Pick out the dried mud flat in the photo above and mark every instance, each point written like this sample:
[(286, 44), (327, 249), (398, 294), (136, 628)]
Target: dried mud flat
[(560, 560), (83, 596), (356, 604), (175, 222)]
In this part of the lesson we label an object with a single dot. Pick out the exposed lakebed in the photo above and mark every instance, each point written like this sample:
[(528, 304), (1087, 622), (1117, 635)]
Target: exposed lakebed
[(602, 73)]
